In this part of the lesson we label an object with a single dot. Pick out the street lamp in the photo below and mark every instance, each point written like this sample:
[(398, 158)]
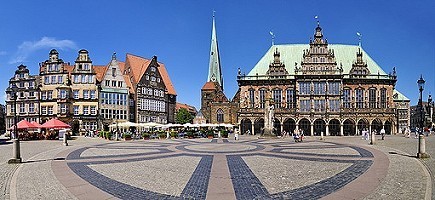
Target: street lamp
[(16, 140), (421, 142)]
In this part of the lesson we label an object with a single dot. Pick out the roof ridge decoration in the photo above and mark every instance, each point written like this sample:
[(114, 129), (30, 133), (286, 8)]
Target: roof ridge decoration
[(277, 68), (215, 71), (359, 68)]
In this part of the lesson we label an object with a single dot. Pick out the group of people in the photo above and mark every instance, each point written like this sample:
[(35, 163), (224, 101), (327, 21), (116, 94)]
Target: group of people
[(298, 135), (366, 133)]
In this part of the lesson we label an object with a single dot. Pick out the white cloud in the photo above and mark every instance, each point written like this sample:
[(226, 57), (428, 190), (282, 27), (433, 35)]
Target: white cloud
[(28, 47)]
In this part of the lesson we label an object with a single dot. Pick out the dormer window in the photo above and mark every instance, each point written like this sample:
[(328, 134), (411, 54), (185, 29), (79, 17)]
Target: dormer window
[(86, 66), (113, 72), (80, 66)]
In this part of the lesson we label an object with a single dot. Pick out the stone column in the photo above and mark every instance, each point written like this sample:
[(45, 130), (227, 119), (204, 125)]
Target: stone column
[(327, 130), (312, 129), (341, 130), (372, 138), (422, 147), (297, 128), (252, 128)]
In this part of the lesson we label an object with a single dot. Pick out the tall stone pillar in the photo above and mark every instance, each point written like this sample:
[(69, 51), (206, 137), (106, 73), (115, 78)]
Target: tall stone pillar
[(312, 129), (341, 130), (252, 128), (327, 130)]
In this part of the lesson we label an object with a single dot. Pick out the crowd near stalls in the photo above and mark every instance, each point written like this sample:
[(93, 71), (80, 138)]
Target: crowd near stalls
[(34, 131), (151, 130)]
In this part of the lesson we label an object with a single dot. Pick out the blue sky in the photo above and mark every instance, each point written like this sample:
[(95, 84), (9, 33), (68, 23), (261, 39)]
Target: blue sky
[(394, 33)]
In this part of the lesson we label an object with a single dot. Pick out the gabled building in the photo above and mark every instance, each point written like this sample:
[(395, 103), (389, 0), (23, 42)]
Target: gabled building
[(84, 89), (114, 93), (154, 96), (27, 97)]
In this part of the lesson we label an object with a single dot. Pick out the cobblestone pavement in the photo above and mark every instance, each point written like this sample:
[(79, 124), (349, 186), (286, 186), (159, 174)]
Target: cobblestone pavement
[(334, 168)]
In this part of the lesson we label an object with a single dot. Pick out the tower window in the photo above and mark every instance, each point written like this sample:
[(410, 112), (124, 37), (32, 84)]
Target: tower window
[(220, 116)]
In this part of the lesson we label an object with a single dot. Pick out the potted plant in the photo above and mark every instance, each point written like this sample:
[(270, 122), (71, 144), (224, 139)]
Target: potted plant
[(190, 134), (126, 136), (224, 133), (210, 134), (146, 136)]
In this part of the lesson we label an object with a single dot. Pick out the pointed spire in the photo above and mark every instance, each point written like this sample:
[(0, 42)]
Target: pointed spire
[(215, 72)]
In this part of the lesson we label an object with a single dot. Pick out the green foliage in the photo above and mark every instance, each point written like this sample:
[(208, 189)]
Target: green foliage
[(101, 134), (174, 134), (190, 134), (145, 135), (108, 135), (126, 135), (210, 133), (224, 133), (183, 116), (162, 135)]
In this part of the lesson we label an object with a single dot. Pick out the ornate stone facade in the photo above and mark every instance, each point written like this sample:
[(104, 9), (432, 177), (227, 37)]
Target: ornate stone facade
[(336, 89), (27, 97)]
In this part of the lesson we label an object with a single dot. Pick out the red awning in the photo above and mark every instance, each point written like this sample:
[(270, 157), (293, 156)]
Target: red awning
[(36, 124), (23, 124), (55, 124)]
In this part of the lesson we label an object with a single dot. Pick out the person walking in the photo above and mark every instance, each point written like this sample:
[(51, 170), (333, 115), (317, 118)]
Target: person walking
[(383, 133)]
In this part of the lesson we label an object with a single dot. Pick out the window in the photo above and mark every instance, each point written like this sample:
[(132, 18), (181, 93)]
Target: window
[(84, 78), (107, 83), (277, 96), (252, 98), (21, 84), (50, 110), (59, 79), (220, 116), (156, 93), (334, 105), (346, 98), (119, 83), (153, 79), (93, 110), (158, 80), (22, 107), (319, 105), (63, 94), (290, 97), (359, 95), (50, 95), (153, 69), (31, 84), (90, 79), (305, 106), (44, 95), (53, 79), (304, 88), (372, 98), (113, 83), (86, 110), (76, 78), (46, 80), (63, 108), (44, 110), (31, 94), (150, 91), (262, 97), (76, 94), (383, 98), (86, 94), (31, 107), (76, 110), (319, 88), (334, 88), (113, 72), (147, 77), (93, 94), (86, 66)]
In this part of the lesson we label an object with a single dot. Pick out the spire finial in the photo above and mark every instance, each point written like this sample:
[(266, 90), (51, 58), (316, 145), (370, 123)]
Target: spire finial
[(273, 37), (114, 56), (214, 11), (359, 38), (317, 18)]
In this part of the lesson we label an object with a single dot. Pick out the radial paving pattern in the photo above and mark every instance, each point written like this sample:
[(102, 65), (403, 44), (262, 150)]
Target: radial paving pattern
[(182, 169)]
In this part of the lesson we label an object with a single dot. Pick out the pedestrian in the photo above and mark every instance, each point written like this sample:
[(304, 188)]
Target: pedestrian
[(383, 133)]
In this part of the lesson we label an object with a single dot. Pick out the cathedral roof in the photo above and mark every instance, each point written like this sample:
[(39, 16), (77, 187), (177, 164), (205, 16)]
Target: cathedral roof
[(290, 54)]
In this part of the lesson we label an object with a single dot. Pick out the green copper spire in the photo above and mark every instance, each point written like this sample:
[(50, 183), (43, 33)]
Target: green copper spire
[(214, 68)]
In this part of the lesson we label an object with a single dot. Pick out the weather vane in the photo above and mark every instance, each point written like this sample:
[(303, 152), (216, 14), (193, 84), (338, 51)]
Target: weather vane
[(359, 38), (273, 37)]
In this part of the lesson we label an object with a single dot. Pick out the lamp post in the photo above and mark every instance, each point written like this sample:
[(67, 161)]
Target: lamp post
[(15, 141), (421, 142)]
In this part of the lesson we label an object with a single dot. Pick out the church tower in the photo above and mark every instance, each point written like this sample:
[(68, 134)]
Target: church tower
[(214, 67)]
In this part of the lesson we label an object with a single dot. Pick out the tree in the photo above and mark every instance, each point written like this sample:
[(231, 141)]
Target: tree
[(183, 116)]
